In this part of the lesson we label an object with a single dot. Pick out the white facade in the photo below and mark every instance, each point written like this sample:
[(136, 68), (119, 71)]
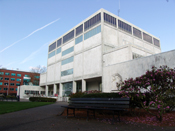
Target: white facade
[(78, 63)]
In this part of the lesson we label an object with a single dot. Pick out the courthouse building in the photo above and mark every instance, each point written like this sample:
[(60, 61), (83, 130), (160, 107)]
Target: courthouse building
[(80, 59)]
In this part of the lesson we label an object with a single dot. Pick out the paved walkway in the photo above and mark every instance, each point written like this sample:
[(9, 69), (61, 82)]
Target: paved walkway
[(46, 118)]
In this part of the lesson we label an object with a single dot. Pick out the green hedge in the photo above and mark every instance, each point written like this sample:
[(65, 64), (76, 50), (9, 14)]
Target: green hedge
[(42, 99)]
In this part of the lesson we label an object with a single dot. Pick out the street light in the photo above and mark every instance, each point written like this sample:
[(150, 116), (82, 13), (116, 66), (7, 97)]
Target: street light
[(19, 90)]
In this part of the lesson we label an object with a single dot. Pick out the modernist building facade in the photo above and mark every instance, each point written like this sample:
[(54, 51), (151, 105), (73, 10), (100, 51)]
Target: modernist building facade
[(77, 59), (11, 79)]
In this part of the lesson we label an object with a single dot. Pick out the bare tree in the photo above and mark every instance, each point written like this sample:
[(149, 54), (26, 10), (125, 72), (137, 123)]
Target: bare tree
[(39, 69)]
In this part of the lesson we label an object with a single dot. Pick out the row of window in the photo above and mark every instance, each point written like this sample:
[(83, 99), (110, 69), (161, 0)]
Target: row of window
[(67, 72), (88, 24), (31, 92), (77, 40), (127, 28), (12, 84), (5, 89), (12, 74), (12, 79)]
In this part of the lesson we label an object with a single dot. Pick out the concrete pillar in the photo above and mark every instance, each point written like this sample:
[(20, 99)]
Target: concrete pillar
[(74, 87), (61, 90), (54, 89), (46, 90), (83, 85)]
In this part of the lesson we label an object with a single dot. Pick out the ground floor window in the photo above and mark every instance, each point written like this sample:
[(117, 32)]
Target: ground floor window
[(67, 88), (31, 92)]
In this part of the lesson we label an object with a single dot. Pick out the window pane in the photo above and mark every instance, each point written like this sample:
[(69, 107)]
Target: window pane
[(17, 84), (92, 32), (137, 32), (52, 46), (6, 84), (135, 56), (7, 79), (1, 78), (12, 79), (58, 50), (109, 19), (156, 42), (93, 21), (59, 42), (19, 75), (1, 83), (13, 74), (1, 73), (125, 27), (79, 39), (67, 72), (18, 79), (7, 74), (147, 37), (67, 88), (66, 61), (68, 37), (71, 49), (12, 84), (51, 54), (79, 30)]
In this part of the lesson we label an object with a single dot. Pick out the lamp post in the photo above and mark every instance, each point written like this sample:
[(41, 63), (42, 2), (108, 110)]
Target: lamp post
[(19, 90)]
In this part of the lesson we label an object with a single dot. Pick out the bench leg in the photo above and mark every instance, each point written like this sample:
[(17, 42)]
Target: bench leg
[(87, 115)]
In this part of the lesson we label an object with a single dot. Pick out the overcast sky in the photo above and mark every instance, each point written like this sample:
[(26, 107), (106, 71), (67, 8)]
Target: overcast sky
[(28, 26)]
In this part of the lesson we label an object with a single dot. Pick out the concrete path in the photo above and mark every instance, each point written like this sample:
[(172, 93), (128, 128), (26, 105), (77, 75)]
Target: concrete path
[(46, 118)]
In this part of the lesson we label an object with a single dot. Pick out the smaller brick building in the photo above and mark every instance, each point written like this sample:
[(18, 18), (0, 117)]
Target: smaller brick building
[(11, 79)]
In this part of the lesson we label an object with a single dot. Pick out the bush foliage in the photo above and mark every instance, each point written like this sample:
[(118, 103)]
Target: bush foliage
[(156, 88), (42, 99)]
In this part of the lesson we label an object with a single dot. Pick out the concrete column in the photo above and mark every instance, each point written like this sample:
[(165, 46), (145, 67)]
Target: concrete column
[(74, 87), (46, 90), (83, 85), (61, 90), (54, 89)]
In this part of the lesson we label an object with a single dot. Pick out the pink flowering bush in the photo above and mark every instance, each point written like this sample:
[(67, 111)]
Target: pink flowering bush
[(159, 83)]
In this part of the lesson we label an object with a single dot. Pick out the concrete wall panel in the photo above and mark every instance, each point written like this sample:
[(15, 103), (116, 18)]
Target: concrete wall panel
[(50, 73), (57, 71), (68, 45), (92, 61), (78, 65)]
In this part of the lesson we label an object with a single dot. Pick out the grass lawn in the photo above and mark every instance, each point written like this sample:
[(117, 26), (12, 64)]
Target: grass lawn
[(6, 107)]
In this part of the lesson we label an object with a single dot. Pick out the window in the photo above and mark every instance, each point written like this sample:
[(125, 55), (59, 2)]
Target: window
[(0, 88), (18, 79), (51, 54), (42, 92), (59, 42), (68, 37), (67, 88), (1, 78), (58, 50), (5, 89), (135, 56), (68, 60), (79, 29), (37, 77), (1, 83), (92, 32), (26, 75), (79, 39), (52, 46), (1, 73), (147, 37), (12, 79), (93, 21), (6, 84), (125, 27), (156, 42), (67, 72), (13, 74), (19, 75), (12, 84), (12, 89), (137, 33), (109, 19), (7, 74), (31, 92), (69, 50), (6, 79), (17, 84)]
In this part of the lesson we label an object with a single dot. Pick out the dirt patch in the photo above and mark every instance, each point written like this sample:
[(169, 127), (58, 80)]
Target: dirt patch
[(140, 116)]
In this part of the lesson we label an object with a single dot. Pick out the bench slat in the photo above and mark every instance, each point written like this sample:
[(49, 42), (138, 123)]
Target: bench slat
[(101, 102)]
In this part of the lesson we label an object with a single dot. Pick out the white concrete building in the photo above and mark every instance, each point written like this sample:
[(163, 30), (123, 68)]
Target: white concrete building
[(78, 60)]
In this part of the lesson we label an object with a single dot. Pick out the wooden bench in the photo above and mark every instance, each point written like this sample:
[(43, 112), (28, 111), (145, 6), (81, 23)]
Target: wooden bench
[(92, 104)]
